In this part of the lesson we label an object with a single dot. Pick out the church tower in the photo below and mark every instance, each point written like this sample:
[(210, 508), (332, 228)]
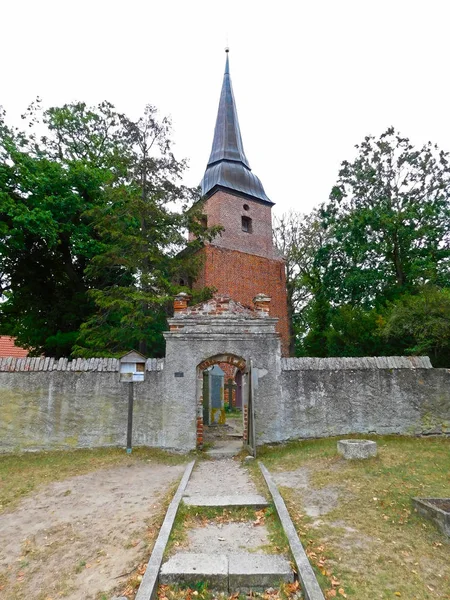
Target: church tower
[(241, 261)]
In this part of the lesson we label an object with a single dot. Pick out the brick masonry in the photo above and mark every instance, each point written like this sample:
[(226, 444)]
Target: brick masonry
[(242, 263), (243, 276), (230, 373), (227, 210)]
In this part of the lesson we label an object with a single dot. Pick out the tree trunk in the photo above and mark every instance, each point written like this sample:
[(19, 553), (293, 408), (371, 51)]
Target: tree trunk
[(399, 273)]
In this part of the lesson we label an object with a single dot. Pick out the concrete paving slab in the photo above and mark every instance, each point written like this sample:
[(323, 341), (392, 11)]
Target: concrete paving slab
[(251, 500), (191, 568), (226, 538), (225, 448), (247, 571), (220, 479)]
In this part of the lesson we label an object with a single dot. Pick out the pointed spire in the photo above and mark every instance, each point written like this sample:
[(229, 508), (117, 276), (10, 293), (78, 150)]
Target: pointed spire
[(228, 166), (227, 144)]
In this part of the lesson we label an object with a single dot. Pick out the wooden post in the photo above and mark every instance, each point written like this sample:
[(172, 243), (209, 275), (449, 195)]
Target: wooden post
[(130, 416)]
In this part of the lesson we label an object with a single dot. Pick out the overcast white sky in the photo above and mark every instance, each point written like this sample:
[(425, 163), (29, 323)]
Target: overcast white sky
[(311, 78)]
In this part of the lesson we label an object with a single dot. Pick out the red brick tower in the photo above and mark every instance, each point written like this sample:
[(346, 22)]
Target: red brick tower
[(242, 260)]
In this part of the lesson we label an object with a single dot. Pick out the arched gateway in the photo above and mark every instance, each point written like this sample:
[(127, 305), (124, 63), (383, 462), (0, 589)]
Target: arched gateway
[(215, 332)]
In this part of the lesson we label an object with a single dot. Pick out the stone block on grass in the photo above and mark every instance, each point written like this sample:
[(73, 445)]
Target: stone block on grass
[(435, 509), (357, 449)]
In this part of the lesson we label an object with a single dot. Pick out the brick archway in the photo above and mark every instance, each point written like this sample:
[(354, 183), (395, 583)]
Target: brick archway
[(232, 359)]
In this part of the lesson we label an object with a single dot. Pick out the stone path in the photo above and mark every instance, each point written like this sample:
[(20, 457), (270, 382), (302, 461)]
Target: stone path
[(226, 439), (222, 483), (230, 556)]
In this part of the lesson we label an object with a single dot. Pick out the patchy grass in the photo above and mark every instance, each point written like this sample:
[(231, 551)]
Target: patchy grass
[(368, 542), (21, 474), (287, 591), (195, 516)]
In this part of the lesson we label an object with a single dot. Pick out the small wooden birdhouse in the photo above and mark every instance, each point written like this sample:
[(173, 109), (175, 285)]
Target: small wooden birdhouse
[(132, 367)]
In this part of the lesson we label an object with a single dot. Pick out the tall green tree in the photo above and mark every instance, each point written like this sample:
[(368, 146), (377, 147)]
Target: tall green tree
[(89, 229), (47, 185), (143, 235), (384, 233), (299, 239), (388, 218)]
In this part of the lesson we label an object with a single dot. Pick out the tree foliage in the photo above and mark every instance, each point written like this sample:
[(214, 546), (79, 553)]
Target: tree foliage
[(366, 257), (90, 227), (420, 324), (389, 221), (299, 238)]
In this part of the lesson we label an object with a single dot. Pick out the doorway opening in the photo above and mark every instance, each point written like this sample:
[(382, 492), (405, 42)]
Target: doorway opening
[(221, 388)]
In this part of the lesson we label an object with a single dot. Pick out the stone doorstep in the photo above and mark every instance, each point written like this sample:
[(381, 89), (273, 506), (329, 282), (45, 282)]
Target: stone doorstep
[(257, 571), (221, 453), (233, 573), (189, 568), (251, 500)]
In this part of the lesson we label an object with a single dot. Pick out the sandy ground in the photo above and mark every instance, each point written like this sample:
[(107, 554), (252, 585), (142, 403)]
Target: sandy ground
[(75, 538), (315, 502)]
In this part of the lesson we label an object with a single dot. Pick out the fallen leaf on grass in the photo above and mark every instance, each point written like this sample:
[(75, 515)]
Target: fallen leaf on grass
[(292, 587), (260, 518)]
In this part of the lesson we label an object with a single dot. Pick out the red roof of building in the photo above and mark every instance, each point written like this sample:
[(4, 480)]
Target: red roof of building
[(8, 348)]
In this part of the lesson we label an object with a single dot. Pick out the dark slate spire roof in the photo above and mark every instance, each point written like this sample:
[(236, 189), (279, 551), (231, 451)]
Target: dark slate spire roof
[(228, 166)]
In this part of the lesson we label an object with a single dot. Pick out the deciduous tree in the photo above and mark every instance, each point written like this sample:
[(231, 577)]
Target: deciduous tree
[(90, 227), (388, 218)]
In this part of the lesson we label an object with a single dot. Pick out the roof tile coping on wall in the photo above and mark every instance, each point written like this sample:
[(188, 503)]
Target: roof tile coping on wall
[(105, 365), (347, 363)]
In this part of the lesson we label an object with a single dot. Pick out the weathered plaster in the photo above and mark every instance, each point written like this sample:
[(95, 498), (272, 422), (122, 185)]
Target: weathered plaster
[(320, 403)]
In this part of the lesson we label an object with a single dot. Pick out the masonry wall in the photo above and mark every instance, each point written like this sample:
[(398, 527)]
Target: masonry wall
[(64, 408), (327, 401), (242, 276), (227, 210), (47, 404)]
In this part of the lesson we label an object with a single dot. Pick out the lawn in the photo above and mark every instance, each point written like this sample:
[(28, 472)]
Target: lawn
[(356, 520)]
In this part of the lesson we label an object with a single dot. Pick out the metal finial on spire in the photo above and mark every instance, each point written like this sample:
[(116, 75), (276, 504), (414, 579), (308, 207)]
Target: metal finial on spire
[(227, 49)]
